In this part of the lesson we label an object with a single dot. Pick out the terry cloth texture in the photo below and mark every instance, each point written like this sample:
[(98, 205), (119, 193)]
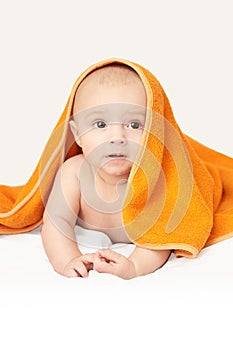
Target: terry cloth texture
[(181, 192)]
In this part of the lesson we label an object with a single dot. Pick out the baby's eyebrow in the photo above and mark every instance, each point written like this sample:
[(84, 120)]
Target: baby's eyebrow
[(83, 115), (92, 113), (101, 112), (139, 110), (136, 113)]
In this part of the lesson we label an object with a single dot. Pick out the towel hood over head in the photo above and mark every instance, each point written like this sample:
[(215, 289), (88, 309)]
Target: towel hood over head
[(180, 192)]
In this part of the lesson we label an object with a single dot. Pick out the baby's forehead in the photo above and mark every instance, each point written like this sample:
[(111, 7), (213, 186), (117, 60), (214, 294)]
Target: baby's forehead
[(108, 110)]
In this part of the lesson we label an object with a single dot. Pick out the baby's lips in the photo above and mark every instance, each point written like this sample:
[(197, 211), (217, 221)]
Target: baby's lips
[(116, 155)]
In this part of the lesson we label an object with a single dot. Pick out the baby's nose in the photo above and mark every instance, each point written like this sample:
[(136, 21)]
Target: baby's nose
[(119, 141), (117, 135)]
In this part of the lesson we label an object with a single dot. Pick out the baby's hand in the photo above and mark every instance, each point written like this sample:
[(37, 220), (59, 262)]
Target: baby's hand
[(79, 266), (108, 261)]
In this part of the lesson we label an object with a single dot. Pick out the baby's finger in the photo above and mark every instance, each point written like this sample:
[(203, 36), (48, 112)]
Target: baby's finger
[(110, 255), (81, 269), (70, 272), (100, 265), (87, 258)]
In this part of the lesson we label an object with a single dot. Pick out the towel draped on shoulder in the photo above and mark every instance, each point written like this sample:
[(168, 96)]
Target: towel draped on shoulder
[(181, 192)]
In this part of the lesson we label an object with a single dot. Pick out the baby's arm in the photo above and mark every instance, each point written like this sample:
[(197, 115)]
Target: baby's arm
[(141, 262), (60, 217), (147, 260)]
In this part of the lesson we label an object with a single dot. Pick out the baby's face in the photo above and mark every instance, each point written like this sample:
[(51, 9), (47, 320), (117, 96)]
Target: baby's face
[(109, 122)]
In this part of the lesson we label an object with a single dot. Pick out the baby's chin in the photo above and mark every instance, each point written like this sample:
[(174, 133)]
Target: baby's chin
[(118, 168)]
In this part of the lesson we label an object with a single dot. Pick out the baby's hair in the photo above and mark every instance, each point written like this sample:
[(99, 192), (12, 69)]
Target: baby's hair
[(114, 74)]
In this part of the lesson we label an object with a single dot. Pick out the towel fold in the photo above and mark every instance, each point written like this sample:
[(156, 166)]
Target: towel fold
[(181, 192)]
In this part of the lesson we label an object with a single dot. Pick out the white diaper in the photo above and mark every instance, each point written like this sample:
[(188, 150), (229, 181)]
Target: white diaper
[(95, 239)]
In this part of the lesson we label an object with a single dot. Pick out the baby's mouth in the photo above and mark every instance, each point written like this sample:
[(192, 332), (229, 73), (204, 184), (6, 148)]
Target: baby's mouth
[(116, 155)]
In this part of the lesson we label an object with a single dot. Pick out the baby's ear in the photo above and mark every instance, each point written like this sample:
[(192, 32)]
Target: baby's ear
[(74, 130)]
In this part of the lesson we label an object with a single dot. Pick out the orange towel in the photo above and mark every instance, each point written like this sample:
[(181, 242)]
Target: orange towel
[(181, 193)]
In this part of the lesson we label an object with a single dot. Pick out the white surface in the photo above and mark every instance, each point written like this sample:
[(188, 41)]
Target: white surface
[(173, 306), (45, 45)]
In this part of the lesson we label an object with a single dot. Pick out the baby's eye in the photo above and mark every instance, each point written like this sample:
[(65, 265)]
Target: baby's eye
[(134, 125), (100, 124)]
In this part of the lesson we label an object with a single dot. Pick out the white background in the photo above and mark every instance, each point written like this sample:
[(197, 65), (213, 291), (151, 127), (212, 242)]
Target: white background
[(45, 45)]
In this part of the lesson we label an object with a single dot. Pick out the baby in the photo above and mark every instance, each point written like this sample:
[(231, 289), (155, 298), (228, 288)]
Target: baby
[(108, 121)]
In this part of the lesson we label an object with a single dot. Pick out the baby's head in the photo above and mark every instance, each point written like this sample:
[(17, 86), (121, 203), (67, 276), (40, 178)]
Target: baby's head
[(109, 108), (114, 83)]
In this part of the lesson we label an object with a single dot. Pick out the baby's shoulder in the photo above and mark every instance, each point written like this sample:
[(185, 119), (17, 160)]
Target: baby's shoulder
[(73, 164)]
